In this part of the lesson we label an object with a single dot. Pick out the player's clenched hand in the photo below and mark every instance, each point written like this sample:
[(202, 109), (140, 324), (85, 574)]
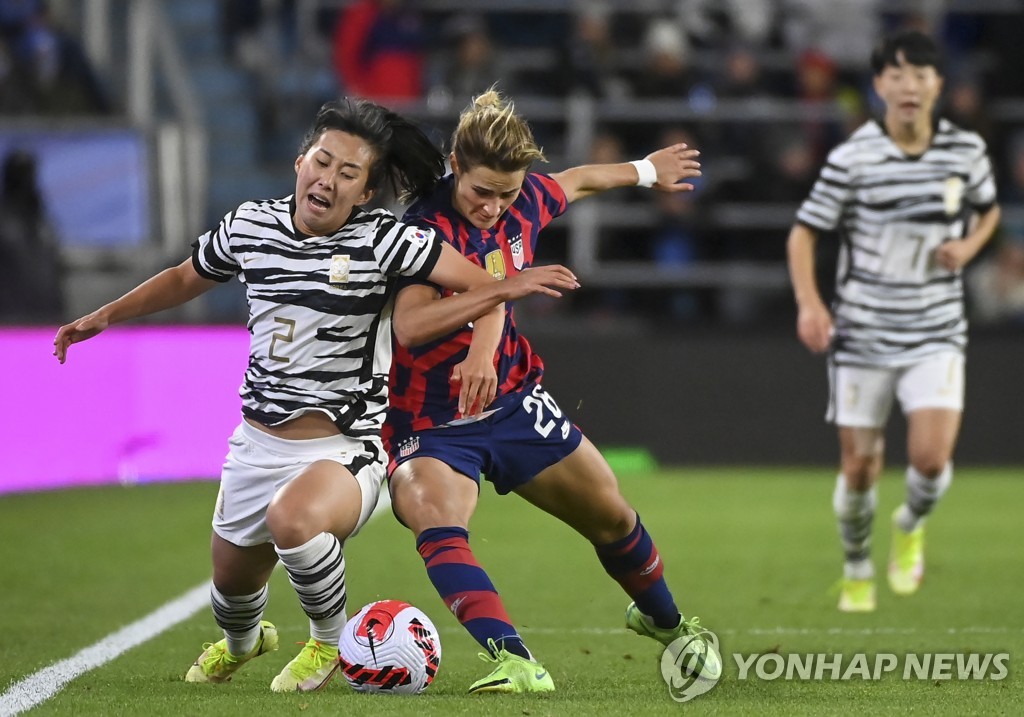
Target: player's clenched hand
[(674, 164), (953, 255), (77, 331), (539, 280), (814, 327), (478, 384)]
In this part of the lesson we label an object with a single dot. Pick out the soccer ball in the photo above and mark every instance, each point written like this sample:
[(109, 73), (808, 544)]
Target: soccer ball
[(389, 647)]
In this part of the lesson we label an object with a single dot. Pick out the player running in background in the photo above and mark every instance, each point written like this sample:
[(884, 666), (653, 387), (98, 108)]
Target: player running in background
[(913, 201), (306, 464), (492, 209)]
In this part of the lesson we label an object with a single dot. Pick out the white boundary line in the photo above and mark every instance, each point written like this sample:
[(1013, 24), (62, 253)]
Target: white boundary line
[(41, 686)]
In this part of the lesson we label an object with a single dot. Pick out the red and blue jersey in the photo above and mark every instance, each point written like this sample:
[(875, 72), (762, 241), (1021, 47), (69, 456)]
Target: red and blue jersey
[(422, 395)]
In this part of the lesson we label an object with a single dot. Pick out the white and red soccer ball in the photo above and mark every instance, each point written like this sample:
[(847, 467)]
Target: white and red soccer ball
[(389, 647)]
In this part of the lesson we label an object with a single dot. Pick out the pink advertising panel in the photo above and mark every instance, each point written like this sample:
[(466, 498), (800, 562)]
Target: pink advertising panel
[(131, 405)]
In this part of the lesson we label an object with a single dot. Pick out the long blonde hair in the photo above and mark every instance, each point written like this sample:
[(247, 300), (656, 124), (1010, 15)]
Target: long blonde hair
[(492, 135)]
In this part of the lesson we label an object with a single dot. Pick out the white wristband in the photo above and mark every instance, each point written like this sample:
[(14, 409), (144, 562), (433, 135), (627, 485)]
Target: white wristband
[(648, 174)]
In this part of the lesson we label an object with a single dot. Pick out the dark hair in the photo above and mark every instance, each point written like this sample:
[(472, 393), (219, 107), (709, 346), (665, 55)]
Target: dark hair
[(403, 156), (915, 47)]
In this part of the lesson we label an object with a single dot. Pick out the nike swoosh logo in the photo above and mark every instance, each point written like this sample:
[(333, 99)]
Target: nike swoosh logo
[(541, 675)]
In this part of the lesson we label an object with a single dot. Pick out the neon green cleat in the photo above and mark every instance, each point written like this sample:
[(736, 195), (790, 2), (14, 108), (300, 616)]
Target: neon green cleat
[(906, 559), (857, 595), (216, 664), (314, 666), (698, 654), (513, 674)]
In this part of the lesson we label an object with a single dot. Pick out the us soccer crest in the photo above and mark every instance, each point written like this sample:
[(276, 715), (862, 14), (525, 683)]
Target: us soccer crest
[(408, 446), (517, 252), (494, 262)]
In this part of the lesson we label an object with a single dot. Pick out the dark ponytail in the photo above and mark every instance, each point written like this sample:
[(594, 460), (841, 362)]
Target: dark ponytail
[(404, 157)]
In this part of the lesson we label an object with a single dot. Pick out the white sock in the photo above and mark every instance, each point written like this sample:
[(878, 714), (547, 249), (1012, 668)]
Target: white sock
[(317, 572), (239, 617), (922, 495), (855, 512)]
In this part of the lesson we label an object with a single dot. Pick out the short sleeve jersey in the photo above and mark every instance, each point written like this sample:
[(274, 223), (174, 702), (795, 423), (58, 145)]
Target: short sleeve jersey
[(319, 308), (894, 304), (422, 395)]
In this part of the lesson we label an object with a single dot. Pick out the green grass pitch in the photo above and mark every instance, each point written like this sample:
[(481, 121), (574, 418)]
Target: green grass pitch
[(753, 552)]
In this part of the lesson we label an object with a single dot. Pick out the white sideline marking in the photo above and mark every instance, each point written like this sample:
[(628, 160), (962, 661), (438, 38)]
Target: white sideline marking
[(41, 686)]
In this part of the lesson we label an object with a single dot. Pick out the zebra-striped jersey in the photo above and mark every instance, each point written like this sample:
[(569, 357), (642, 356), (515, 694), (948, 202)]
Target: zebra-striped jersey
[(894, 304), (319, 308)]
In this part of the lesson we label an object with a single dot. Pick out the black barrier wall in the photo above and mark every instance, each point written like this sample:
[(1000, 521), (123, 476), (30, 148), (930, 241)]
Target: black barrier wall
[(712, 399)]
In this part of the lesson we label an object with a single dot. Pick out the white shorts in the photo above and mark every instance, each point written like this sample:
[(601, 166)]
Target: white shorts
[(258, 465), (861, 397)]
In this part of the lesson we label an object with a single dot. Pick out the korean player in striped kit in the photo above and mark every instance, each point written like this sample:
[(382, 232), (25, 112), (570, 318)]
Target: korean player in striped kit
[(306, 463), (913, 199)]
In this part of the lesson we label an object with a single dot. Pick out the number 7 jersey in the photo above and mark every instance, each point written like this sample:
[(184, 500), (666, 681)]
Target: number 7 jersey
[(894, 303)]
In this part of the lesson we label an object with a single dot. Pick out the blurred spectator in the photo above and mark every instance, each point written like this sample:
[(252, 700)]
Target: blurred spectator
[(678, 239), (379, 50), (591, 58), (666, 71), (15, 90), (996, 284), (1001, 38), (47, 63), (741, 78), (741, 75), (846, 29), (31, 289), (257, 34), (790, 164), (465, 64), (720, 23), (817, 89), (965, 106)]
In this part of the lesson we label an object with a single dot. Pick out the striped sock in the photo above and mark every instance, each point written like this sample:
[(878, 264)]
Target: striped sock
[(317, 572), (466, 589), (855, 513), (239, 617), (922, 495), (635, 564)]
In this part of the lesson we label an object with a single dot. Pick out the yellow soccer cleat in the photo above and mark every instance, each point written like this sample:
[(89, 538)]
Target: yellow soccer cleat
[(216, 664), (513, 674), (906, 559), (314, 666), (857, 595), (697, 654)]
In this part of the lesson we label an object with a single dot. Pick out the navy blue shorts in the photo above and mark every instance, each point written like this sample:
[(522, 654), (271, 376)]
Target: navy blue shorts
[(526, 434)]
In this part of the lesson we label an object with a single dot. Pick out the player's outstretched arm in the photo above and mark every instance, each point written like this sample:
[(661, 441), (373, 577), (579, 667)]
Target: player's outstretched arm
[(814, 321), (419, 316), (664, 170), (171, 287)]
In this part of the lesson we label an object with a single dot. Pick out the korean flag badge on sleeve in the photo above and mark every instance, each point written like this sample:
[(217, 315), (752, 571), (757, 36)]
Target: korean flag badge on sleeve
[(419, 236)]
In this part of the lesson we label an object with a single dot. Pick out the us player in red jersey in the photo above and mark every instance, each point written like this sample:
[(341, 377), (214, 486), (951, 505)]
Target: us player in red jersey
[(492, 209)]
